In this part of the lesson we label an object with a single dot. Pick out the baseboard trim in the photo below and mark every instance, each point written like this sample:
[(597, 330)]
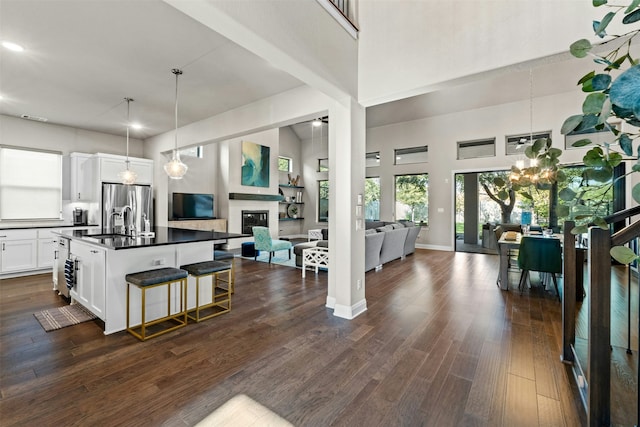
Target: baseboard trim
[(435, 247), (331, 302), (350, 312)]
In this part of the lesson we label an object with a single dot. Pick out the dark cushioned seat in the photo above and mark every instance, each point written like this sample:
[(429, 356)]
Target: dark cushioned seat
[(153, 277), (205, 267), (219, 255)]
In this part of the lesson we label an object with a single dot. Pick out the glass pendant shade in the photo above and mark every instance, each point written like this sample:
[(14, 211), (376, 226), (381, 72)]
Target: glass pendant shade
[(127, 176), (175, 168)]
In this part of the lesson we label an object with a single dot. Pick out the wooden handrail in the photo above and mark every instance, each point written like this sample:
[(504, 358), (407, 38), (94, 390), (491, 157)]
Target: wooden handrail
[(627, 234), (623, 214)]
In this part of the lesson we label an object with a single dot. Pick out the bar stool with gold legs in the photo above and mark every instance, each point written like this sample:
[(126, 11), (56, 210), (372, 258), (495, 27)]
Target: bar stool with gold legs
[(220, 295), (150, 279), (220, 255)]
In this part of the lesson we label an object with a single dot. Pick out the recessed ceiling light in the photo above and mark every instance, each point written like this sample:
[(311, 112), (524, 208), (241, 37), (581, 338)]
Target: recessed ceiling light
[(136, 125), (12, 46), (316, 123)]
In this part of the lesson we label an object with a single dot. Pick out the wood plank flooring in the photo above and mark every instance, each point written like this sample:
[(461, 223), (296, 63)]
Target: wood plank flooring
[(440, 345)]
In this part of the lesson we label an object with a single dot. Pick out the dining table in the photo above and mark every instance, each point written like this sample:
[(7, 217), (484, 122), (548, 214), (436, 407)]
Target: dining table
[(510, 240)]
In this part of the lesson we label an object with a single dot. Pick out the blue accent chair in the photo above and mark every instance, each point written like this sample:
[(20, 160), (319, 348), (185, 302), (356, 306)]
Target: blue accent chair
[(264, 242)]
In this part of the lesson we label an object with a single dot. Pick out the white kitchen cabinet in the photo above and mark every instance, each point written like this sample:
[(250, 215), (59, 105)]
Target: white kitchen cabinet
[(90, 288), (47, 245), (81, 177), (109, 166), (18, 250)]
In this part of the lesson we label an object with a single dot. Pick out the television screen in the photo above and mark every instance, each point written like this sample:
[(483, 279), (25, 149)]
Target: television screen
[(192, 206)]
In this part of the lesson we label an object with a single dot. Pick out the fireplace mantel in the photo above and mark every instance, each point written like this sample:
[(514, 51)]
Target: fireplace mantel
[(256, 197)]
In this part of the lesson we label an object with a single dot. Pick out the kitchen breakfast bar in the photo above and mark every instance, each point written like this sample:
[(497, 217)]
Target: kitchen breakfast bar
[(100, 263)]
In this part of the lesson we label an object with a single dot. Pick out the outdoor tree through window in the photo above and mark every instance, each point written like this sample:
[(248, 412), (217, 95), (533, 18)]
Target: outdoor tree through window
[(323, 201), (372, 199), (412, 198)]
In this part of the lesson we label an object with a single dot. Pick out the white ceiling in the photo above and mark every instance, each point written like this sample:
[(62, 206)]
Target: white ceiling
[(83, 58)]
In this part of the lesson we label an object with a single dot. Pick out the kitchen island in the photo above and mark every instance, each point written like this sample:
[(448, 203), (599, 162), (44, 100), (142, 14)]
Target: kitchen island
[(101, 262)]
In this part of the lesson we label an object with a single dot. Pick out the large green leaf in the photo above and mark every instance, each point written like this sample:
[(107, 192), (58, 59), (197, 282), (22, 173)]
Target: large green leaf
[(626, 144), (600, 30), (579, 229), (539, 144), (571, 123), (632, 17), (633, 5), (614, 159), (580, 48), (601, 81), (567, 194), (562, 210), (597, 3), (625, 90), (593, 103), (586, 77), (581, 143), (589, 121), (635, 192), (623, 254), (554, 152), (499, 182)]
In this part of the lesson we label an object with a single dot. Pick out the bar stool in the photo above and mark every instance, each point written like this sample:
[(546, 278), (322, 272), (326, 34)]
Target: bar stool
[(220, 297), (145, 280), (219, 255)]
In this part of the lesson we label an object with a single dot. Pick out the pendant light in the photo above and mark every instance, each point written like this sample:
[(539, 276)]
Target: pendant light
[(128, 176), (175, 168)]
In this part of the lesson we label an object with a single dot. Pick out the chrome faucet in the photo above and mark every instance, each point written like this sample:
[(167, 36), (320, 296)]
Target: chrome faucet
[(129, 228)]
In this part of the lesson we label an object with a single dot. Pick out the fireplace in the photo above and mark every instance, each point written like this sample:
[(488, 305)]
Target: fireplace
[(254, 219)]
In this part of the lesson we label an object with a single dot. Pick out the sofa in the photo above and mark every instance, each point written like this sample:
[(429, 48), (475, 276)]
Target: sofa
[(384, 242)]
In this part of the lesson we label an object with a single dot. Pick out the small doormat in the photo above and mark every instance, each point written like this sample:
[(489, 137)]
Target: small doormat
[(61, 317)]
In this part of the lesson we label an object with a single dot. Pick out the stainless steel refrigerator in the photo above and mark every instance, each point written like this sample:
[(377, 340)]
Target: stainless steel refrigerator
[(130, 204)]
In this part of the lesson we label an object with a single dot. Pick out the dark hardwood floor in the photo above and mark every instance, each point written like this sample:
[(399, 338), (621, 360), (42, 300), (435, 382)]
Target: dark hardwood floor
[(440, 345)]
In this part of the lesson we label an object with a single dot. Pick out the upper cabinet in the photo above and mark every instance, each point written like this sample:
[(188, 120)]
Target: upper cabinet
[(80, 188), (107, 167)]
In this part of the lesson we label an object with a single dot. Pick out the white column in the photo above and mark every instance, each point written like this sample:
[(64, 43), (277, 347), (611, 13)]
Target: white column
[(346, 229)]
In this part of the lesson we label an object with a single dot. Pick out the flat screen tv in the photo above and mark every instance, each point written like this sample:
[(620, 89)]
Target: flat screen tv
[(192, 206)]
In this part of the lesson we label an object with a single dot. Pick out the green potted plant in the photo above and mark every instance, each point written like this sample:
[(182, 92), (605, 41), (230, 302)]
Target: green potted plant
[(613, 98)]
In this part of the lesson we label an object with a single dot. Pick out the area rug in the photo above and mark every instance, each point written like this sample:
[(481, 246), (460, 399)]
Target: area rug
[(61, 317), (280, 258)]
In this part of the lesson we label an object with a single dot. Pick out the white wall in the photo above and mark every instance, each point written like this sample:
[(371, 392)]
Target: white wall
[(441, 134), (280, 110), (290, 146), (407, 47), (45, 136), (234, 208), (26, 133), (297, 36), (201, 176)]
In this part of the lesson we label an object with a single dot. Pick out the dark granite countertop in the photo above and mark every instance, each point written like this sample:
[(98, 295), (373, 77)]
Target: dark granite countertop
[(163, 236)]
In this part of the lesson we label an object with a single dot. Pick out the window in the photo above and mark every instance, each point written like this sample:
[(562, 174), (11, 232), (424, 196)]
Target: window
[(323, 201), (516, 144), (196, 151), (476, 149), (404, 156), (285, 164), (372, 199), (25, 194), (323, 165), (373, 159), (597, 137), (412, 198)]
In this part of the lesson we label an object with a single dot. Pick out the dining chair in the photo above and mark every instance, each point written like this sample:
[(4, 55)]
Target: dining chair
[(264, 242), (540, 254)]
